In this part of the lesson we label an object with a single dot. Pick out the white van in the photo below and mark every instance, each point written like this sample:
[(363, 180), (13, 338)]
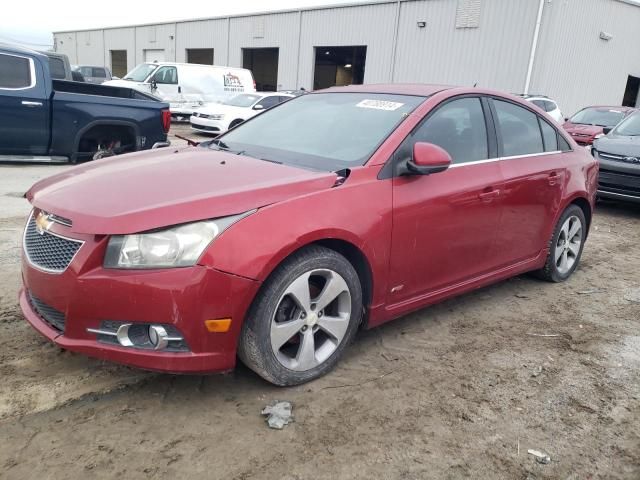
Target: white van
[(188, 86)]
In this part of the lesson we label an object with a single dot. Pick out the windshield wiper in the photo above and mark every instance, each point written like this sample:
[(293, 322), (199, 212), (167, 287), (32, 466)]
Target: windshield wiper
[(223, 147)]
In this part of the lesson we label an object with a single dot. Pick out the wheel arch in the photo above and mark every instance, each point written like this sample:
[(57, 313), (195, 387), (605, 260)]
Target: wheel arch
[(585, 206), (135, 130)]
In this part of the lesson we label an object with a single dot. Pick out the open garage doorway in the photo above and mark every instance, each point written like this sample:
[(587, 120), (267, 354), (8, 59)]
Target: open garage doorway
[(118, 63), (632, 93), (338, 66), (202, 56), (263, 62)]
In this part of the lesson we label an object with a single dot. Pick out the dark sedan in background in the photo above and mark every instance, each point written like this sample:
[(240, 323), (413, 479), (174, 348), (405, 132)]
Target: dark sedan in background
[(619, 155)]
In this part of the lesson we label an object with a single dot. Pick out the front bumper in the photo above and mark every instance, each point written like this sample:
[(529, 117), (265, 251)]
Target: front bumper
[(88, 294), (207, 125)]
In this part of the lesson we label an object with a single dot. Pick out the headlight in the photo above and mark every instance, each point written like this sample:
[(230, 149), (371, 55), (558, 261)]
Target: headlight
[(179, 246)]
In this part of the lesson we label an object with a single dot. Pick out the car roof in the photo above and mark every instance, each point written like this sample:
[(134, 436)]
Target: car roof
[(418, 89), (18, 49)]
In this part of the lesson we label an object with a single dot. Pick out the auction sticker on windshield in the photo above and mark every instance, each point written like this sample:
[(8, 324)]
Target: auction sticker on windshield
[(380, 105)]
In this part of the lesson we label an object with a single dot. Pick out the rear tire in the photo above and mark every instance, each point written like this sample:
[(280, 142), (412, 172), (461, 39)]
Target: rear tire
[(565, 246), (303, 318)]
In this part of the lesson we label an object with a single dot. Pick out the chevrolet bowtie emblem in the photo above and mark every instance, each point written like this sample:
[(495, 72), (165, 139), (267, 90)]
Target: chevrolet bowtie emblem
[(43, 223)]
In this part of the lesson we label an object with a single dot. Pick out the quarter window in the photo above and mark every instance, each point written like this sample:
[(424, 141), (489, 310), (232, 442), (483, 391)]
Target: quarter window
[(15, 72), (550, 136), (519, 130), (459, 128), (549, 106)]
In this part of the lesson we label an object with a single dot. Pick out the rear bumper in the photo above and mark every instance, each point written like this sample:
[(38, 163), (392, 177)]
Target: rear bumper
[(183, 298)]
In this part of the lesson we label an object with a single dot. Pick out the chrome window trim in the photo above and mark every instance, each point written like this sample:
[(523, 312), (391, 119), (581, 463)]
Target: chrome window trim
[(42, 269), (32, 73), (498, 159)]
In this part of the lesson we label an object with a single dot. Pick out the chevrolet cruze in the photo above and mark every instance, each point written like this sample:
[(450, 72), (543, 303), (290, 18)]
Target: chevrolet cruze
[(277, 241)]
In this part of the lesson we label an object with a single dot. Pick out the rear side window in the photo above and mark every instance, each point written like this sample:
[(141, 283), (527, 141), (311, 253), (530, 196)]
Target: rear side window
[(519, 130), (98, 72), (550, 136), (56, 66), (15, 72), (459, 128)]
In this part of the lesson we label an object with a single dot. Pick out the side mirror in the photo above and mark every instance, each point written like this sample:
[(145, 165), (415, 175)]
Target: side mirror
[(427, 159), (258, 107), (566, 119), (606, 130), (154, 84)]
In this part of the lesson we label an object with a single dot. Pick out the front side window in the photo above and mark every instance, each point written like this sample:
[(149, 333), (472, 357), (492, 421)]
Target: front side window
[(519, 130), (458, 127), (15, 72), (166, 76), (322, 131)]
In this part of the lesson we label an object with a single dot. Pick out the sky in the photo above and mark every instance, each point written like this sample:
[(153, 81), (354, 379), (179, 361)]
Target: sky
[(32, 22)]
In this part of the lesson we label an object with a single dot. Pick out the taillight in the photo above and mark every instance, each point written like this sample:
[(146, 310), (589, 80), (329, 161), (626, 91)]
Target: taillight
[(166, 120)]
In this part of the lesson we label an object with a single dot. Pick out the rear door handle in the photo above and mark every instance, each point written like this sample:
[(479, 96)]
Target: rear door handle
[(489, 194), (29, 103), (553, 178)]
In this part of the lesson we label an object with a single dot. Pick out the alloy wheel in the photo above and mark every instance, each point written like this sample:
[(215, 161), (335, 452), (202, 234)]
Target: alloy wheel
[(568, 244)]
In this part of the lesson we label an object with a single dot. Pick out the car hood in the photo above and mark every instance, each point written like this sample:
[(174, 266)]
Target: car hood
[(619, 145), (591, 130), (163, 187)]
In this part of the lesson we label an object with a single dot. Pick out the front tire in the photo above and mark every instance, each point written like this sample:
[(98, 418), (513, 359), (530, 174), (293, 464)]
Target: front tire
[(303, 318), (565, 247)]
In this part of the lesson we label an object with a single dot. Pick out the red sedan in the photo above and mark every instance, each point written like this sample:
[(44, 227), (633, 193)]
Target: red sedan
[(590, 123), (275, 242)]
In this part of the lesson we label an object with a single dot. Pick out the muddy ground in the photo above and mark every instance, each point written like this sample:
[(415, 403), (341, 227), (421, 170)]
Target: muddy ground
[(459, 390)]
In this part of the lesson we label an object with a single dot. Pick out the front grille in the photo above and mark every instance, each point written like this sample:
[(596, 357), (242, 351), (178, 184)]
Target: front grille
[(617, 182), (49, 314), (48, 251), (620, 158)]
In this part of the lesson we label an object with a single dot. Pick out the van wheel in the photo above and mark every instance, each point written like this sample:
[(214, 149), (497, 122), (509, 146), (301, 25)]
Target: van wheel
[(565, 247), (305, 315), (235, 123)]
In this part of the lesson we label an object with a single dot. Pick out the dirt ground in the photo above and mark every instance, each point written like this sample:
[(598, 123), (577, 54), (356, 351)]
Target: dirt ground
[(459, 390)]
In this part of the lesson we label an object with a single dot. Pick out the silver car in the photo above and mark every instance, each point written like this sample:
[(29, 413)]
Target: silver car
[(93, 74)]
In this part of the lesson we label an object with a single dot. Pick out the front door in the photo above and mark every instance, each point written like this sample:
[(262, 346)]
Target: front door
[(165, 80), (24, 108), (444, 225)]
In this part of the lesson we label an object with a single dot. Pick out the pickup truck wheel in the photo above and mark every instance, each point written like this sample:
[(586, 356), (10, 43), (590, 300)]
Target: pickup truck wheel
[(565, 246), (305, 315)]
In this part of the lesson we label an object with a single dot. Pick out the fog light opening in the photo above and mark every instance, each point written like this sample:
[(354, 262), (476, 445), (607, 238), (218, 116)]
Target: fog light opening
[(158, 337)]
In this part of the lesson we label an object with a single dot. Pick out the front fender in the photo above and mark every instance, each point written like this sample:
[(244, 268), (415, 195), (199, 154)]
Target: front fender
[(358, 212)]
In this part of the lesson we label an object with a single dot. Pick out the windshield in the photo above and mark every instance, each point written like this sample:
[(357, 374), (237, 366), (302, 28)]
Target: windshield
[(630, 126), (322, 131), (602, 117), (140, 73), (243, 100)]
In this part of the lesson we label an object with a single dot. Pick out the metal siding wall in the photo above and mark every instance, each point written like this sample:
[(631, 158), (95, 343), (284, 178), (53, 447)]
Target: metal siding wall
[(203, 34), (66, 43), (90, 48), (370, 25), (275, 30), (120, 39), (577, 68), (163, 41), (495, 55)]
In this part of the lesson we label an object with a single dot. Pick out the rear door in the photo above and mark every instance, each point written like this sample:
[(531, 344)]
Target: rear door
[(24, 108), (444, 225), (532, 166)]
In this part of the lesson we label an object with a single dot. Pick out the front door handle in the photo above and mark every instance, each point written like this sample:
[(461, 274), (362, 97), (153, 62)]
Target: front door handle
[(28, 103), (488, 194)]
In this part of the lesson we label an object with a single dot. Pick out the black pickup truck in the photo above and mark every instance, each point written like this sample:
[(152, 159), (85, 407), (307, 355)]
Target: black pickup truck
[(43, 119)]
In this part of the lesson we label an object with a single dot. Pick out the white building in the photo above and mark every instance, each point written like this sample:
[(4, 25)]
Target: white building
[(580, 52)]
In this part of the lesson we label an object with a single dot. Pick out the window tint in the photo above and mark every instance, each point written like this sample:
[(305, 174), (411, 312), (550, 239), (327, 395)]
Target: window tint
[(459, 128), (166, 76), (15, 72), (98, 72), (519, 130), (550, 136), (268, 102), (56, 67)]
